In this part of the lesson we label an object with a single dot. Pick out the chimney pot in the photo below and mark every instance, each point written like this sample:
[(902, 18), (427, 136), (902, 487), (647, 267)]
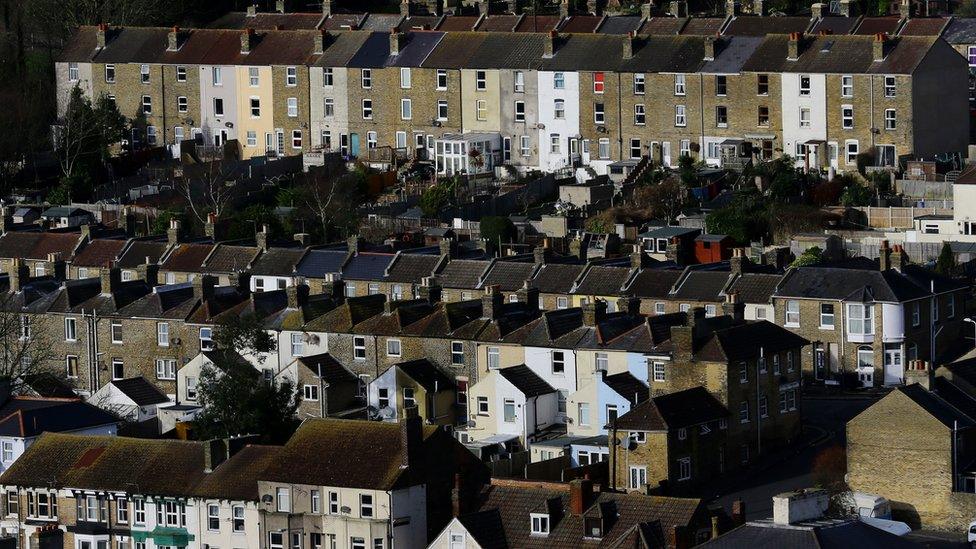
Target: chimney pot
[(880, 46)]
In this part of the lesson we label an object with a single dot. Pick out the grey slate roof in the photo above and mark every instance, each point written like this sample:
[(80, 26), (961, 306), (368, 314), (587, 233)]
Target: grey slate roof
[(937, 406), (557, 278), (341, 47), (367, 266), (317, 263), (673, 410), (463, 273), (412, 267), (840, 283), (653, 282), (526, 381), (628, 386), (755, 287), (961, 30), (749, 25), (140, 391), (621, 24), (822, 534), (840, 54), (731, 55), (602, 280), (509, 275), (374, 52), (277, 262), (382, 22), (702, 286), (418, 47)]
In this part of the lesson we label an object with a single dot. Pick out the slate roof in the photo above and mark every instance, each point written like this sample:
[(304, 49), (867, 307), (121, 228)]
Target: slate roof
[(840, 54), (237, 478), (418, 46), (340, 21), (27, 417), (731, 55), (318, 262), (30, 245), (412, 268), (656, 283), (663, 25), (86, 294), (499, 23), (421, 22), (702, 286), (937, 406), (186, 258), (557, 278), (581, 23), (157, 467), (821, 534), (833, 24), (351, 312), (267, 21), (174, 301), (750, 25), (873, 25), (927, 26), (98, 253), (841, 283), (463, 273), (509, 275), (427, 374), (703, 26), (486, 528), (538, 23), (332, 370), (340, 47), (673, 411), (604, 280), (140, 391), (382, 22), (743, 342), (620, 24), (277, 262), (138, 251), (526, 381), (458, 23), (961, 30), (755, 287), (514, 503), (628, 386), (225, 258), (367, 266)]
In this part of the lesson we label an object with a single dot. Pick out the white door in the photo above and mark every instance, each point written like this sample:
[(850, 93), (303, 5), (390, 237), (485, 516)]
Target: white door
[(894, 369), (666, 153)]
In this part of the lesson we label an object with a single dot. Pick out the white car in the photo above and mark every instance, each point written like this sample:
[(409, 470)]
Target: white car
[(971, 536)]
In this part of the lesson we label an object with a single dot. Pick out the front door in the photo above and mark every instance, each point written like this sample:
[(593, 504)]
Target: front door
[(894, 369), (354, 144), (666, 153)]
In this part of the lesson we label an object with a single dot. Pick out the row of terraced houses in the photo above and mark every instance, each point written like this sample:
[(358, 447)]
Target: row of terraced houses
[(536, 100)]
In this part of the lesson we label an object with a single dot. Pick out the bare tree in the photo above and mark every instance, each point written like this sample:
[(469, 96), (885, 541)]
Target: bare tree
[(25, 337), (664, 200), (333, 199), (55, 20), (209, 188)]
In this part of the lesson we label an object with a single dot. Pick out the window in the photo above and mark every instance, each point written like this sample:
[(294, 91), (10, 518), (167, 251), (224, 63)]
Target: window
[(139, 511), (291, 76), (599, 85), (8, 451), (144, 74), (763, 408), (804, 84), (518, 81), (604, 148), (182, 104), (890, 120), (721, 85), (684, 468), (508, 410), (357, 543), (213, 518), (292, 107), (409, 398), (206, 339), (493, 358), (457, 352), (540, 524), (276, 540), (635, 148), (792, 313), (181, 74), (253, 77), (333, 503), (639, 85), (763, 116), (481, 109), (165, 369), (640, 115), (359, 348), (916, 314), (151, 135), (367, 109), (162, 334), (889, 86), (851, 148), (559, 109), (73, 72), (827, 316), (762, 84), (122, 511), (365, 505), (744, 412), (441, 79), (721, 116), (520, 111), (583, 413), (679, 116), (367, 79), (602, 362), (442, 109), (217, 76), (805, 121), (406, 109), (599, 116), (847, 116), (950, 306), (525, 145), (562, 303), (218, 106), (679, 84), (283, 500), (146, 104), (70, 329), (296, 139), (847, 86), (638, 477), (860, 319), (776, 369), (392, 347), (371, 143), (482, 405), (554, 143)]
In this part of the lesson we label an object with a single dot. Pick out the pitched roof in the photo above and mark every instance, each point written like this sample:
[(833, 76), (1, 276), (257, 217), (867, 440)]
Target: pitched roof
[(628, 386), (157, 467), (99, 253), (367, 266), (526, 381), (871, 26), (833, 24), (938, 407), (842, 283), (819, 534), (462, 273), (702, 286), (755, 287), (620, 24), (30, 416), (840, 54), (926, 26), (237, 478), (656, 283), (427, 374), (225, 258), (31, 245), (961, 30), (605, 280), (673, 411), (319, 262), (139, 250), (267, 21), (750, 25), (277, 262), (739, 342), (412, 268), (331, 370), (509, 275), (186, 258), (140, 391), (557, 278)]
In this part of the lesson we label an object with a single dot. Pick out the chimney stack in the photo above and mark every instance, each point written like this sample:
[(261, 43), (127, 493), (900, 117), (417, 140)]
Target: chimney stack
[(628, 43), (528, 295), (127, 222), (411, 437), (19, 275), (297, 295), (111, 279), (149, 272), (262, 237), (405, 8), (817, 10), (564, 9), (174, 233), (491, 303), (539, 255), (646, 9), (710, 47), (905, 9), (6, 220), (733, 308), (637, 257), (731, 7), (203, 287), (792, 507), (210, 227), (247, 40), (880, 46), (550, 44), (280, 6), (252, 11), (594, 313), (629, 305), (739, 261), (580, 495), (320, 37), (446, 246), (918, 371), (328, 6), (757, 7), (302, 238), (678, 8), (101, 36), (429, 289), (848, 8), (793, 47), (898, 258), (352, 245), (884, 257), (174, 39), (214, 453)]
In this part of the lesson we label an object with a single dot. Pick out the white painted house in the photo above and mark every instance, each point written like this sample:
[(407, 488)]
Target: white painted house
[(559, 125), (134, 399), (512, 401)]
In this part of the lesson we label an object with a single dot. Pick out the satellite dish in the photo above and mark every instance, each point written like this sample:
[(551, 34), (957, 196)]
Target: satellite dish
[(386, 412), (471, 424)]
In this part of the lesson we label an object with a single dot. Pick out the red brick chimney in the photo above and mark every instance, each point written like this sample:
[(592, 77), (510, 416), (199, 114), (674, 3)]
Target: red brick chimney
[(580, 495)]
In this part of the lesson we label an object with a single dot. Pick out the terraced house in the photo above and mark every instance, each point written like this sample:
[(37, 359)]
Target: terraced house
[(538, 100)]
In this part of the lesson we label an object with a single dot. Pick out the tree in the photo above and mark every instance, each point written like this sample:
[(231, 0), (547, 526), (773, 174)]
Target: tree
[(85, 133), (745, 219), (236, 399), (437, 197), (26, 343), (811, 256), (664, 200), (334, 199), (602, 222), (208, 188), (497, 229), (945, 265), (829, 468), (855, 195)]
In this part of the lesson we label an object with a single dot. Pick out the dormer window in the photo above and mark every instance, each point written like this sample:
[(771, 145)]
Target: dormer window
[(593, 527), (540, 524)]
